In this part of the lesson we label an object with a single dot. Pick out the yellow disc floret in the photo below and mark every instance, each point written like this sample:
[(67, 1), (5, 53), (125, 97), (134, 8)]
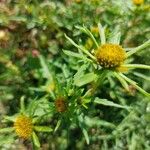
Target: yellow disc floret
[(110, 55), (23, 126), (138, 2)]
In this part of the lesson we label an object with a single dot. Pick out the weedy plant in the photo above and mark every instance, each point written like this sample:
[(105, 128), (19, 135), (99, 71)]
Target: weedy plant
[(108, 59), (75, 100), (68, 98), (25, 125)]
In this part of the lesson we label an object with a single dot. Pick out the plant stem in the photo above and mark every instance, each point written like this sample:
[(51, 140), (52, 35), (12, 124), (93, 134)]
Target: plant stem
[(135, 50)]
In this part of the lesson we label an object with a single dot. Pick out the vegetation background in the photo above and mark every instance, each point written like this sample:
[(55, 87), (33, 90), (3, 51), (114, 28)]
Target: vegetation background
[(31, 43)]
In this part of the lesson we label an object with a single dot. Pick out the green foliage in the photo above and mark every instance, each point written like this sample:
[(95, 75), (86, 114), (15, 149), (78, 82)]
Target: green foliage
[(49, 72)]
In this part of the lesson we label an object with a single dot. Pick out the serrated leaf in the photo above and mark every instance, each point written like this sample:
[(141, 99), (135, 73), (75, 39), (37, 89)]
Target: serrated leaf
[(46, 72), (106, 102), (85, 79), (77, 55), (80, 71), (73, 54)]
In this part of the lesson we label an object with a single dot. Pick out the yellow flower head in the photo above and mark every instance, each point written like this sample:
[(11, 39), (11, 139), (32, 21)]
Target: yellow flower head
[(89, 44), (110, 55), (77, 1), (61, 105), (50, 87), (138, 2), (23, 126), (121, 69), (95, 30)]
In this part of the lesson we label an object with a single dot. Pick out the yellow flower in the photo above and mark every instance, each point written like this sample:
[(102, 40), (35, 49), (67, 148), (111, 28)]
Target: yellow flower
[(121, 69), (95, 30), (77, 1), (89, 43), (23, 126), (110, 55), (138, 2), (146, 7), (50, 87)]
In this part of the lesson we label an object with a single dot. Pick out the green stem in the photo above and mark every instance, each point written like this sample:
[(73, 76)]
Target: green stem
[(81, 48), (99, 81), (122, 81), (92, 37), (135, 50), (142, 76), (136, 66), (135, 85), (22, 105), (88, 32)]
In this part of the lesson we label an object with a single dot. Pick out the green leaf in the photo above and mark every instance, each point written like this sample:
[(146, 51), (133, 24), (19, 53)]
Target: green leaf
[(106, 102), (141, 76), (7, 140), (22, 105), (9, 118), (88, 32), (96, 121), (102, 33), (115, 36), (82, 126), (85, 133), (43, 129), (80, 71), (122, 81), (35, 140), (73, 54), (134, 66), (46, 72), (77, 55), (137, 49), (6, 130), (81, 48), (18, 18), (135, 85), (85, 79), (57, 125)]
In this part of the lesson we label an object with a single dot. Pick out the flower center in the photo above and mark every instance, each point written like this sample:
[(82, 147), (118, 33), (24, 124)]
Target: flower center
[(23, 126), (110, 55), (61, 105), (138, 2)]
